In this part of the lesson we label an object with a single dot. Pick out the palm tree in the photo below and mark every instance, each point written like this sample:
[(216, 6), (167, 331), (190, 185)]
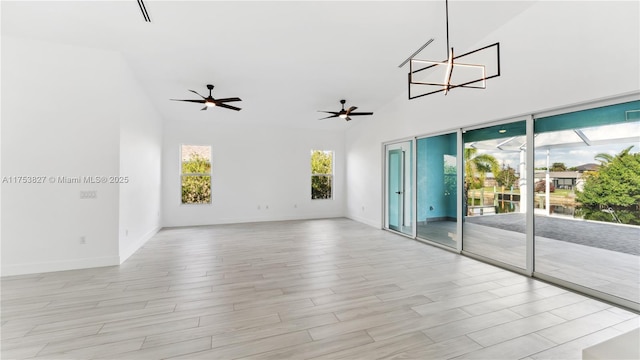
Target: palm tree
[(476, 167), (605, 158)]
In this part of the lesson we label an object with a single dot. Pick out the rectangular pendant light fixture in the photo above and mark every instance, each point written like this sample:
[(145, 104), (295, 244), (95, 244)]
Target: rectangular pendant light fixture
[(467, 70)]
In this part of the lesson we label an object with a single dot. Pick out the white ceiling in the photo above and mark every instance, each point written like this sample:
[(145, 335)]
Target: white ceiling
[(285, 59)]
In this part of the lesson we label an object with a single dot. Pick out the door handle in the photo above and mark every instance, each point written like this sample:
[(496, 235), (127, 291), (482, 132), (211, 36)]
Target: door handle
[(398, 192)]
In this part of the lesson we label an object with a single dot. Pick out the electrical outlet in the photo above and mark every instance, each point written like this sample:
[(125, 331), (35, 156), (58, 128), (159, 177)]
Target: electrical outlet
[(83, 240), (258, 207), (266, 207)]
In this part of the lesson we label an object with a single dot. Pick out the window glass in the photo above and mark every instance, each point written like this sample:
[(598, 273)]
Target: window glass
[(495, 193), (587, 198), (321, 174), (195, 174)]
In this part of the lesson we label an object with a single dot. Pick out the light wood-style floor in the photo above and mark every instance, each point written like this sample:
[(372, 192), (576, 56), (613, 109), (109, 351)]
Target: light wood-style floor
[(331, 288), (610, 272)]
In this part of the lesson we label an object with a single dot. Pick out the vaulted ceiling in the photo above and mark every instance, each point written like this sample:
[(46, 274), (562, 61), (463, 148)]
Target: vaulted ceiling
[(285, 59)]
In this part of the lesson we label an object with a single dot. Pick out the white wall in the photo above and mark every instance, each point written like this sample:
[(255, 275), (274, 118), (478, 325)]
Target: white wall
[(70, 111), (553, 54), (75, 112), (140, 165), (252, 167), (58, 120), (0, 160)]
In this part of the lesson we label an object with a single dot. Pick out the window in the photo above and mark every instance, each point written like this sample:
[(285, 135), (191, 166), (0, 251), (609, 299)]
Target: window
[(321, 174), (195, 173)]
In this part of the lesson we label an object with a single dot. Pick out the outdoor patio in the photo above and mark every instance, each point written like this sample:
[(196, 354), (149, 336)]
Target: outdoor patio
[(601, 256)]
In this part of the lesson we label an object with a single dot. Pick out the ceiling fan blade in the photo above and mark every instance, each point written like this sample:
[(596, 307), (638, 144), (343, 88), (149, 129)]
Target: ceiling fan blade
[(229, 107), (195, 101), (227, 100), (195, 92), (336, 113), (361, 113), (332, 116), (204, 108), (351, 109)]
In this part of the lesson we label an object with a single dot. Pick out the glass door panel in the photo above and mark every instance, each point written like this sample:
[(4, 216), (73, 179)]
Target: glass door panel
[(399, 180), (396, 188), (587, 201), (495, 193), (436, 187)]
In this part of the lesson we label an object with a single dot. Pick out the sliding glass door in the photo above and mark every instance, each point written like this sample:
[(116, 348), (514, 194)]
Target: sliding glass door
[(437, 189), (495, 178), (587, 199), (398, 192), (555, 196)]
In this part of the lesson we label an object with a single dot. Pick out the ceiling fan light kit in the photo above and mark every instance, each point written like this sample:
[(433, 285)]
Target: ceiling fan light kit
[(469, 70), (210, 101), (344, 114)]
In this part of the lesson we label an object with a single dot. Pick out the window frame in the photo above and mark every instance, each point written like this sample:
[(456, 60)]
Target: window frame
[(183, 175), (330, 175)]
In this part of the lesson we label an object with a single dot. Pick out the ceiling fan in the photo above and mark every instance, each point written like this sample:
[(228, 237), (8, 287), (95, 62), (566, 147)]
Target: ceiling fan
[(209, 101), (344, 114)]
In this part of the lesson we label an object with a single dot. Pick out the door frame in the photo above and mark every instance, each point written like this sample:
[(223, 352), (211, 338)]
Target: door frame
[(409, 174)]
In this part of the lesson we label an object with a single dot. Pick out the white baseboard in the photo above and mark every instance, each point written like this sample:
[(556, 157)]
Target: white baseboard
[(44, 267), (132, 248), (240, 220), (364, 221)]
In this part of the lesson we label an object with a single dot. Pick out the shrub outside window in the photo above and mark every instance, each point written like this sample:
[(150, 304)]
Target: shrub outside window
[(195, 174), (321, 174)]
